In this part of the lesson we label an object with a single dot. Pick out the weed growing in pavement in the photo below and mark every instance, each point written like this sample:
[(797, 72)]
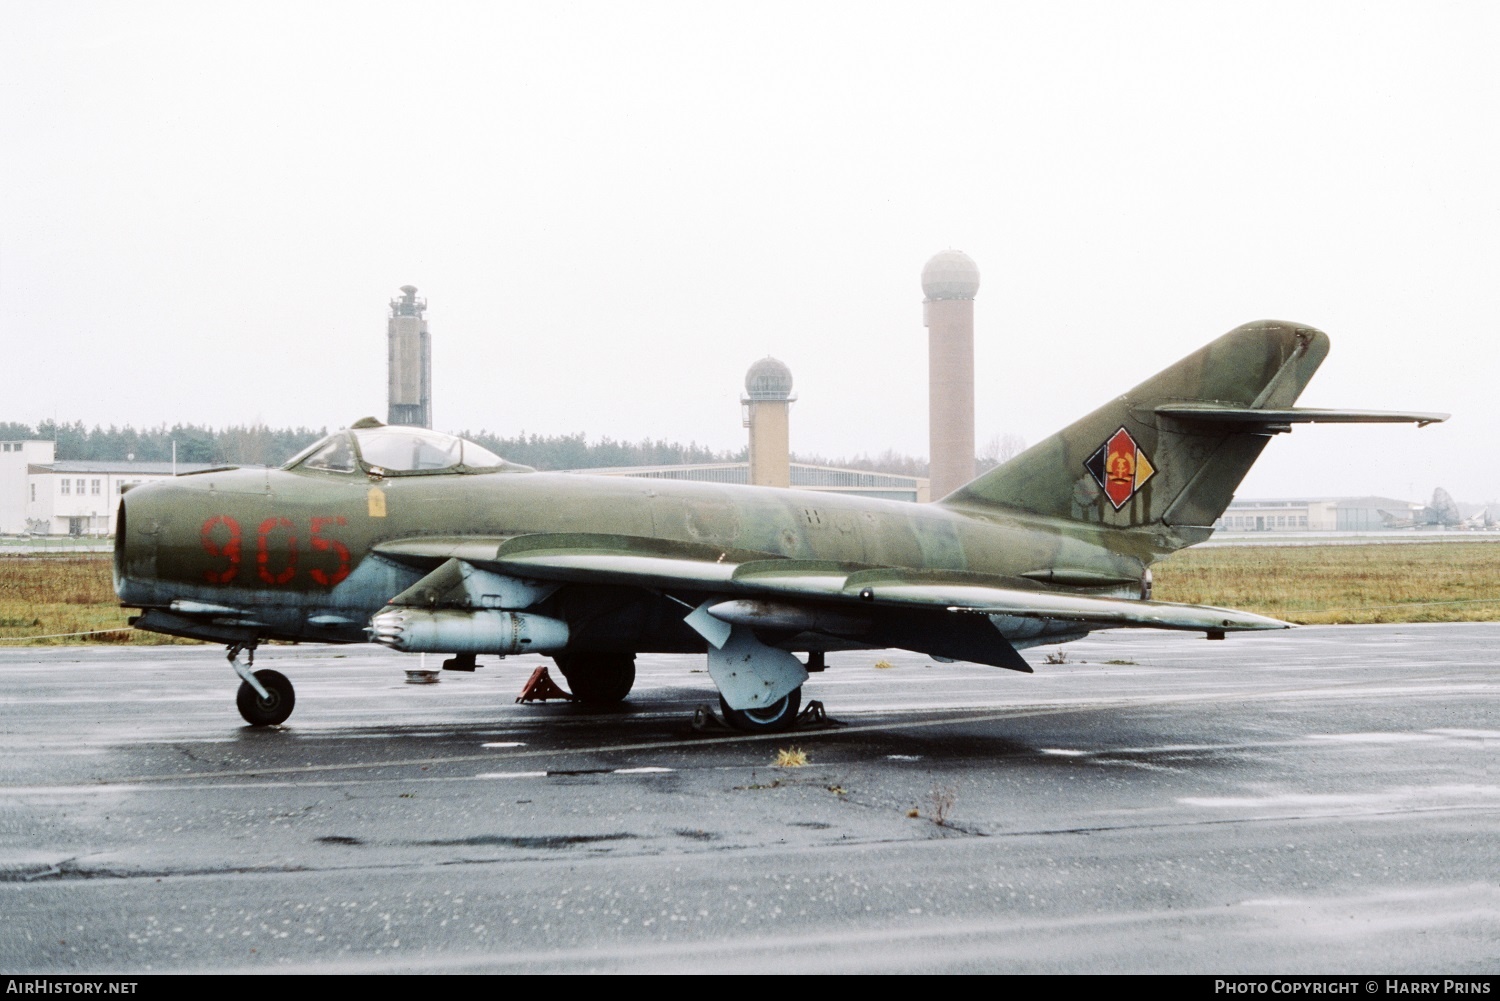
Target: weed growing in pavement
[(941, 800), (791, 757)]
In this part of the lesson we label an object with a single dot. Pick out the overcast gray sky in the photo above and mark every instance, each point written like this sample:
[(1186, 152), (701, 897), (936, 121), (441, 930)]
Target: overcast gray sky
[(614, 208)]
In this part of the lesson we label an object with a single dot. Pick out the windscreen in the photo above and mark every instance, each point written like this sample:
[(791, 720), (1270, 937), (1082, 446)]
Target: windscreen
[(335, 454), (319, 447)]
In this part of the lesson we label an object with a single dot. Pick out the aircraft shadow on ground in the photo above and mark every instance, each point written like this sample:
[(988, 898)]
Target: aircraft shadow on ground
[(1052, 743)]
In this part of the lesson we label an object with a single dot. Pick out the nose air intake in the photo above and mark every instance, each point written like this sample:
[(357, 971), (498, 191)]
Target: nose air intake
[(118, 565)]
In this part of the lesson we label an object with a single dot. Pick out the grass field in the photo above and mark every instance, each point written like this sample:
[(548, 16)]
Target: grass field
[(46, 595), (42, 596), (1383, 582)]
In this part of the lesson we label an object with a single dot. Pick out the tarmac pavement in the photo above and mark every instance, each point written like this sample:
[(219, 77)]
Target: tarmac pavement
[(1320, 800)]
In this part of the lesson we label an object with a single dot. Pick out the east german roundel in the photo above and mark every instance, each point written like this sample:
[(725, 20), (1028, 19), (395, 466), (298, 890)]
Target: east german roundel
[(1120, 467)]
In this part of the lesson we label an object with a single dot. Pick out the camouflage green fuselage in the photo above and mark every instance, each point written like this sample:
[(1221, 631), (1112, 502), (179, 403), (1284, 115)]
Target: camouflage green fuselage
[(298, 547)]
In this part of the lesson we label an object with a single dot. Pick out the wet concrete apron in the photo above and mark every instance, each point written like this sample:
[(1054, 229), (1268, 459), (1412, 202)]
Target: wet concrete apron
[(1319, 800)]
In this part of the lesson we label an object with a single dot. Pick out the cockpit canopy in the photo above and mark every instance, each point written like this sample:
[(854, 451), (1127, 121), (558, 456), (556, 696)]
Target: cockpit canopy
[(382, 450)]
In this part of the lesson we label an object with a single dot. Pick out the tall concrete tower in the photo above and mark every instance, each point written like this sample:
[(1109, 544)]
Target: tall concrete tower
[(410, 388), (950, 281), (768, 398)]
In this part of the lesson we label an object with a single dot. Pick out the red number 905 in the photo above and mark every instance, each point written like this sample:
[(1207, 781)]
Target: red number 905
[(222, 539)]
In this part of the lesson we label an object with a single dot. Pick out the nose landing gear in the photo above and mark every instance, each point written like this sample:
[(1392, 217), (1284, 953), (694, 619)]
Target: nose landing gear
[(272, 708), (266, 697)]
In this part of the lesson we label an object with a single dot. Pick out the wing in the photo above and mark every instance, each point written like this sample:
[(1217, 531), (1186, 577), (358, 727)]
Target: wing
[(994, 596), (954, 614)]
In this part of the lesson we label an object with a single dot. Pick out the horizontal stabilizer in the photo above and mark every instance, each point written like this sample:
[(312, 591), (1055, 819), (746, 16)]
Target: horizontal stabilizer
[(1248, 418)]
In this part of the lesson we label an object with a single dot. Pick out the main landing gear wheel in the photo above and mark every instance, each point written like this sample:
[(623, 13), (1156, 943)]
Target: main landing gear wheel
[(773, 718), (267, 712), (598, 678)]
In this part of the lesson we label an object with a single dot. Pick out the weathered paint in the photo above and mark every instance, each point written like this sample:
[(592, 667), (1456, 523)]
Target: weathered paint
[(296, 548)]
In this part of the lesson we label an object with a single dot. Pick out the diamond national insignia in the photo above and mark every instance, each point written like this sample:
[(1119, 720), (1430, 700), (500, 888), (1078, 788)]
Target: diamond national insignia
[(1120, 467)]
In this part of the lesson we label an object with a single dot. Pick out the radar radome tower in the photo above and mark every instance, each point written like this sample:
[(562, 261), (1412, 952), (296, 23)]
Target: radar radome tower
[(768, 398), (950, 281), (410, 388)]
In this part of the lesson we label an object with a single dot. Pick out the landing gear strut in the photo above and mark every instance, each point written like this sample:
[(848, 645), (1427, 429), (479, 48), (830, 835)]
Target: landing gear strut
[(265, 698)]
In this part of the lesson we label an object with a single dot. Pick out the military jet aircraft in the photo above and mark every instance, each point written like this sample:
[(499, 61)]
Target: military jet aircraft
[(425, 542)]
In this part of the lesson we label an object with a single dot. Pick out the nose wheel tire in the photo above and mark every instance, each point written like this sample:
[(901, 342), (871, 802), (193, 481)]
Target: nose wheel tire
[(773, 718), (267, 712)]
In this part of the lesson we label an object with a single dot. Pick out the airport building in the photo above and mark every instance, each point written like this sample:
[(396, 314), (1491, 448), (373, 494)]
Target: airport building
[(81, 498), (16, 458), (1327, 514), (41, 496)]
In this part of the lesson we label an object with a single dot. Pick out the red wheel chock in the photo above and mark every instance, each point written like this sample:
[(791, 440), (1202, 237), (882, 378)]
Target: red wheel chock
[(540, 687)]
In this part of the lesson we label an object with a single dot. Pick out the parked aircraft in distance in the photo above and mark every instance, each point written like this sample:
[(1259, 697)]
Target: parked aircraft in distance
[(425, 542)]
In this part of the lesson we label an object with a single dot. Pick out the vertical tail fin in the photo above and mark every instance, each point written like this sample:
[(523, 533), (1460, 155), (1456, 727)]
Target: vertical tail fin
[(1126, 465)]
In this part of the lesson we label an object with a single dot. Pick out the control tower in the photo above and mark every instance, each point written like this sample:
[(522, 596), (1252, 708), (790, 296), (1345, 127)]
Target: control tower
[(950, 281), (410, 388), (768, 398)]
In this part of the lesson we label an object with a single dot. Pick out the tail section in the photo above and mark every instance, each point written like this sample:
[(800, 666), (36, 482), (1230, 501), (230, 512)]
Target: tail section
[(1172, 451)]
